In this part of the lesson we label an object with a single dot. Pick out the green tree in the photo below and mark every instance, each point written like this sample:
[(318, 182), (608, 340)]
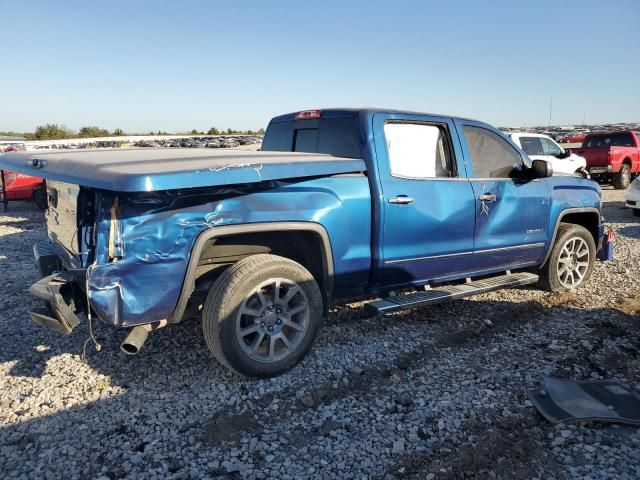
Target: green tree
[(213, 131), (90, 132), (261, 131), (51, 131), (118, 132)]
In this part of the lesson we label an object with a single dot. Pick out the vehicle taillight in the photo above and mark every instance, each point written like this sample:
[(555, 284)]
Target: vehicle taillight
[(9, 178), (308, 114)]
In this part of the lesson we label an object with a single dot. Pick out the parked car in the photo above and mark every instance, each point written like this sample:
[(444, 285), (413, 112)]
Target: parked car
[(230, 143), (23, 187), (613, 156), (543, 147), (633, 196), (339, 204)]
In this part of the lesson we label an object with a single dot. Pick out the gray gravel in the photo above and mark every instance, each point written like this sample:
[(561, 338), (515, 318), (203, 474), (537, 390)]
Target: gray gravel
[(433, 393)]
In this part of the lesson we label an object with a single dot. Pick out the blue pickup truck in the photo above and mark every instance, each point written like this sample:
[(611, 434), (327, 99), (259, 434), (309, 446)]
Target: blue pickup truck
[(409, 208)]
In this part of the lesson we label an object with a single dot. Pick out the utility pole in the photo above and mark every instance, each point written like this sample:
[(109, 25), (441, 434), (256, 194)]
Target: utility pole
[(550, 108)]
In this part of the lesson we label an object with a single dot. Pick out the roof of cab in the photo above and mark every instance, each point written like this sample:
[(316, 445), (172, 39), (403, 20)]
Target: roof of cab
[(354, 112)]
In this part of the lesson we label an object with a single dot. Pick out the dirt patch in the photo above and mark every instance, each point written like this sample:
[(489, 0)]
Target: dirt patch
[(510, 448), (631, 306), (226, 428)]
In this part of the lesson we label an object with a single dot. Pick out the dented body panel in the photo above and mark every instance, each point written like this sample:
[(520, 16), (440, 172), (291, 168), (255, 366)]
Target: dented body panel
[(157, 233)]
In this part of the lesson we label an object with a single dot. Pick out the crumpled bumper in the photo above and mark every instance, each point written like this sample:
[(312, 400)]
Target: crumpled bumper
[(56, 289), (59, 289)]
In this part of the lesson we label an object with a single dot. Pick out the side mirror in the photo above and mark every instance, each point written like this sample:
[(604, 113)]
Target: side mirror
[(541, 169)]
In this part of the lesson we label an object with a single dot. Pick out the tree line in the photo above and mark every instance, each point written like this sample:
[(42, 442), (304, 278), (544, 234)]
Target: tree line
[(54, 131)]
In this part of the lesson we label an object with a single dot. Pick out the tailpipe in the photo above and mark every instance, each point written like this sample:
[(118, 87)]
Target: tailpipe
[(137, 336)]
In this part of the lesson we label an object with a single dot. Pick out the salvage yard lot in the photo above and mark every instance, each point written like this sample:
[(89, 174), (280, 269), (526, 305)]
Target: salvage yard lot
[(432, 393)]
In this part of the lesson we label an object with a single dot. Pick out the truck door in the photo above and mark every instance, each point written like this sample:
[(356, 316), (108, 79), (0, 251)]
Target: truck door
[(427, 203), (512, 216)]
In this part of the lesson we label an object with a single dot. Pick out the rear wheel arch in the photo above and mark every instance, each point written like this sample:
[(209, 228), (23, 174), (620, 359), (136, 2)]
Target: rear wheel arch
[(236, 242)]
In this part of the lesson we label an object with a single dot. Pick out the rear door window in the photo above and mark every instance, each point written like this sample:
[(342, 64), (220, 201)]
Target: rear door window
[(531, 145), (418, 150)]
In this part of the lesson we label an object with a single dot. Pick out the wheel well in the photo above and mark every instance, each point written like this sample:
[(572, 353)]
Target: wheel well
[(627, 161), (588, 220), (305, 247)]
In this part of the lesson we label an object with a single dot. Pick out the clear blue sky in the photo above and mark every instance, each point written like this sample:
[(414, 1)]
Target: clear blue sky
[(149, 65)]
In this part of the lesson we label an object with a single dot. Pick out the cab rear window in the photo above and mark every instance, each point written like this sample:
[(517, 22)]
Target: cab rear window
[(612, 140), (334, 136)]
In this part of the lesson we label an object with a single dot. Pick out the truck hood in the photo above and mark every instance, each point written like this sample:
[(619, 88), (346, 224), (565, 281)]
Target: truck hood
[(148, 169)]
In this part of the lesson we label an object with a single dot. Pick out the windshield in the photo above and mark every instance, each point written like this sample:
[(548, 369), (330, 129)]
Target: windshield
[(334, 136), (610, 140)]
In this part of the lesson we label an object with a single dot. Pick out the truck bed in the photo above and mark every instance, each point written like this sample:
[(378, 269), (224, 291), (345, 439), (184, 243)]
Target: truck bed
[(151, 169)]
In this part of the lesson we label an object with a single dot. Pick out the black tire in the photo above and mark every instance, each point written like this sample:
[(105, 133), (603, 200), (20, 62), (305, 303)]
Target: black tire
[(40, 198), (636, 212), (550, 274), (622, 179), (222, 316), (582, 173)]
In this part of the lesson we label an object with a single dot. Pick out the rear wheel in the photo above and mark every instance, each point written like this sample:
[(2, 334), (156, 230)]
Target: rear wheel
[(622, 179), (262, 315), (571, 261)]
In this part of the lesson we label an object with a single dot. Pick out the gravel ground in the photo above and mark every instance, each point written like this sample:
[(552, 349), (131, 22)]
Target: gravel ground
[(432, 393)]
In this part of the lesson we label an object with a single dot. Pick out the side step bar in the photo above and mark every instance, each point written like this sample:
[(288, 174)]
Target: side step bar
[(451, 292)]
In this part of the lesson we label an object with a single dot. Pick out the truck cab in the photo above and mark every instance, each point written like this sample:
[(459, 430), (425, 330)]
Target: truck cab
[(452, 198)]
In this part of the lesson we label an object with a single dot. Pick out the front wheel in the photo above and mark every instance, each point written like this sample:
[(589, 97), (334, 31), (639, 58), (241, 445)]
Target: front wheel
[(262, 315), (571, 261), (622, 179)]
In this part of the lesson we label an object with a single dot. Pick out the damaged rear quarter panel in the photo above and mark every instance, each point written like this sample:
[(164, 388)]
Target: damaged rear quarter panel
[(157, 232)]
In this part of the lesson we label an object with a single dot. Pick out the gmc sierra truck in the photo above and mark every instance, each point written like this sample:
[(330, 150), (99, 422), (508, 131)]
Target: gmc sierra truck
[(613, 156), (411, 208)]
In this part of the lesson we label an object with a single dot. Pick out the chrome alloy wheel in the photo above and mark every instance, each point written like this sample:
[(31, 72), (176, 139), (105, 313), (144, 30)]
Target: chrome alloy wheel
[(272, 320), (573, 262)]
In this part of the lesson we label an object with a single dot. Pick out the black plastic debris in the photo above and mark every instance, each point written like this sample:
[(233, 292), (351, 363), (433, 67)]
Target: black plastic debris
[(563, 400)]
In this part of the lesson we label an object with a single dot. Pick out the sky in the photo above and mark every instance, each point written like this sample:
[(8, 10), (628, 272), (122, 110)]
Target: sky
[(174, 66)]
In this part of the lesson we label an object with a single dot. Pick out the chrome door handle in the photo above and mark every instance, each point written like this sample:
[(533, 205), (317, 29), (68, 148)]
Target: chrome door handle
[(487, 197), (401, 200)]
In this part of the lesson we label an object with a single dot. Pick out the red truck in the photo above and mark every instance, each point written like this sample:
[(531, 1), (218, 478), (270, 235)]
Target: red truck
[(22, 187), (17, 186), (612, 156)]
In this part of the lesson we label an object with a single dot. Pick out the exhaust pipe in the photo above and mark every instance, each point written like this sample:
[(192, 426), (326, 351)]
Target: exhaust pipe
[(137, 336)]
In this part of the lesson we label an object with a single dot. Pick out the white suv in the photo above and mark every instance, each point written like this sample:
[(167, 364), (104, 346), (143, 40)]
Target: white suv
[(543, 147)]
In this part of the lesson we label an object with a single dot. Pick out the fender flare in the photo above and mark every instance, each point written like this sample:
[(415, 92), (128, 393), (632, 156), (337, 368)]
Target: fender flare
[(563, 214), (188, 284)]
